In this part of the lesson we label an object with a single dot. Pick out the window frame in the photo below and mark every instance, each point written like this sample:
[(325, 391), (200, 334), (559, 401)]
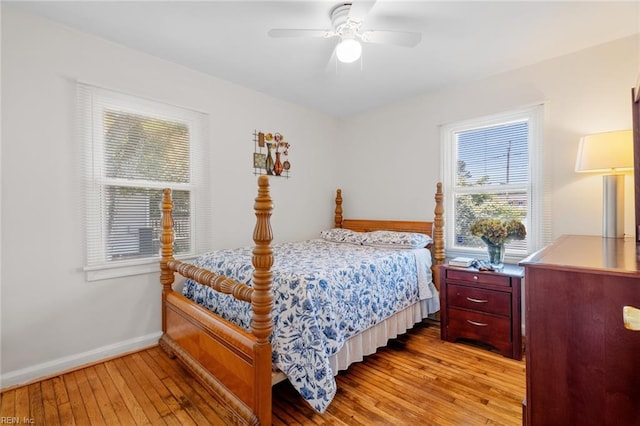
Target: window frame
[(93, 102), (535, 222)]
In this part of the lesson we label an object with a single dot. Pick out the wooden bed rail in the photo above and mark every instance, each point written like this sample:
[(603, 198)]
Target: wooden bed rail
[(219, 283)]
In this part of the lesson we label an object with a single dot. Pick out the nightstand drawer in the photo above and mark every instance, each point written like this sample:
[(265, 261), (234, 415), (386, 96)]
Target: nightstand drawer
[(479, 299), (476, 277), (475, 325)]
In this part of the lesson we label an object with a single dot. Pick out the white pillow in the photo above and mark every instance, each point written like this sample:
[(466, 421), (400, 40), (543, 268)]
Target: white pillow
[(341, 235), (395, 239)]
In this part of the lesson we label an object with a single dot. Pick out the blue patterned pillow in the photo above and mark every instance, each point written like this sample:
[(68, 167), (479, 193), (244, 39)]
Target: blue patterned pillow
[(395, 239), (341, 235)]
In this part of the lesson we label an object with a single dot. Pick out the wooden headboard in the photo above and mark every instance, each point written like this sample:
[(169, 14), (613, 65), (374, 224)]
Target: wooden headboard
[(435, 228), (367, 225)]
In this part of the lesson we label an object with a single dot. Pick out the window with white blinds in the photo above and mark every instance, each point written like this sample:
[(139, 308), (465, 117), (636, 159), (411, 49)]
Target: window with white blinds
[(133, 149), (491, 171)]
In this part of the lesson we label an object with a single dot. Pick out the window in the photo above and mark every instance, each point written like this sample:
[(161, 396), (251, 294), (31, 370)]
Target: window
[(133, 149), (490, 168)]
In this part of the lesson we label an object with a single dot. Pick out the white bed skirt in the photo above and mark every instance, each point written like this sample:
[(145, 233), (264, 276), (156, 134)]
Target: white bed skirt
[(367, 342)]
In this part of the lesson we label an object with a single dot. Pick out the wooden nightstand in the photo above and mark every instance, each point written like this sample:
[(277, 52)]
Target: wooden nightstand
[(482, 306)]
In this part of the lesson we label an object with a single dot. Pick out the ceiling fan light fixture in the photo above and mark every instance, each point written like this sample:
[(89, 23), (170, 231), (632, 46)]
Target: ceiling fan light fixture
[(348, 50)]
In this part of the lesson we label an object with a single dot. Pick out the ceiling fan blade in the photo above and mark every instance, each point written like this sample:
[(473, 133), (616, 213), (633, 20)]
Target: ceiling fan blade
[(359, 9), (332, 63), (291, 32), (398, 38)]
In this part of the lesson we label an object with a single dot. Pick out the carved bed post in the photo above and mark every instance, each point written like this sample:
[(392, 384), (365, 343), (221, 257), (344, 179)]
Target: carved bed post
[(262, 300), (166, 238), (438, 233), (337, 218)]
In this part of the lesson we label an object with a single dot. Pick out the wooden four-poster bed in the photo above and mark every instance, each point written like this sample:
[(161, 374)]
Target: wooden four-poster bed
[(236, 363)]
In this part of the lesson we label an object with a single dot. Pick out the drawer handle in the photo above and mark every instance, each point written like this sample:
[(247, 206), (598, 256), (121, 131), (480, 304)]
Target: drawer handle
[(471, 299), (475, 277), (479, 324), (631, 317)]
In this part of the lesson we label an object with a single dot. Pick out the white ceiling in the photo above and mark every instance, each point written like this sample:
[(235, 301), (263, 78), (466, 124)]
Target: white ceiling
[(461, 41)]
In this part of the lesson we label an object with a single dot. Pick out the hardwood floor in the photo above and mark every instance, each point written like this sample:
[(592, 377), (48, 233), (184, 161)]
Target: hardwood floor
[(417, 380)]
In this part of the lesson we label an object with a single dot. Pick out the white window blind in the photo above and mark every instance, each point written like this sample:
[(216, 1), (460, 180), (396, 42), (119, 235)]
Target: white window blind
[(490, 170), (133, 149)]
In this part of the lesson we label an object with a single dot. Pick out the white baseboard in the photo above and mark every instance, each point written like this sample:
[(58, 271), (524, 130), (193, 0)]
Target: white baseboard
[(61, 365)]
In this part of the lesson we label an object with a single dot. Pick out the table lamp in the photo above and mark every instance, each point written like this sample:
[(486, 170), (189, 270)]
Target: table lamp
[(610, 153)]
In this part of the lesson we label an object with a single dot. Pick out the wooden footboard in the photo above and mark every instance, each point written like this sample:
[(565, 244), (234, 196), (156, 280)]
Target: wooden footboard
[(233, 364)]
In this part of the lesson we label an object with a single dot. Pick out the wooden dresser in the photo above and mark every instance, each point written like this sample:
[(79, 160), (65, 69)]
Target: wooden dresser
[(583, 365)]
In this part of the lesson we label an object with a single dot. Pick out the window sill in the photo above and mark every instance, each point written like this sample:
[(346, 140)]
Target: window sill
[(511, 258), (127, 269)]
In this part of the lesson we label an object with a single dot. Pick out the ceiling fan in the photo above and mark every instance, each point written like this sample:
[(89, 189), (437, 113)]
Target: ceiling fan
[(347, 25)]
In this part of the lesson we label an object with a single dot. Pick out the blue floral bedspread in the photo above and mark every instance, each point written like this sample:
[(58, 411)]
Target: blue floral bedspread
[(324, 293)]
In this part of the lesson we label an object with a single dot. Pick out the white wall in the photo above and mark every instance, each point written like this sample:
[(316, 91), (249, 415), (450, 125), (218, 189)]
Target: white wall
[(397, 157), (52, 318)]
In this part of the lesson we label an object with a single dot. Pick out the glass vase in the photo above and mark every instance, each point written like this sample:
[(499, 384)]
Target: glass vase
[(496, 255), (269, 160)]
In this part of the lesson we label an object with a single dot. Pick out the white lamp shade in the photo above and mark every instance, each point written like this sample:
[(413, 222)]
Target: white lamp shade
[(606, 152), (348, 50)]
